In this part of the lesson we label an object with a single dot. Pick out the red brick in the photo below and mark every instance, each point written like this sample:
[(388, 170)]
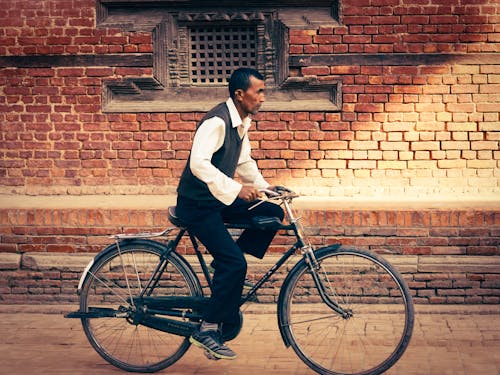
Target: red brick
[(279, 145), (327, 39), (301, 164), (356, 20), (304, 145), (61, 248), (345, 70), (265, 164), (303, 125), (99, 72), (300, 39), (296, 49), (140, 39), (315, 70)]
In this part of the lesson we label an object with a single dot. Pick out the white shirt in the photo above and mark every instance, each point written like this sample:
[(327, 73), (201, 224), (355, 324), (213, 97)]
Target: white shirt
[(209, 138)]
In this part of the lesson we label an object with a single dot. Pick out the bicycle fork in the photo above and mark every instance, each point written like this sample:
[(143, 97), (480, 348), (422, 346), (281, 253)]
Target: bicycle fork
[(316, 269)]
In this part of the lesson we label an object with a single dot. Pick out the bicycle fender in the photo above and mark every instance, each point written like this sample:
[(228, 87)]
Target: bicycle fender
[(113, 247), (281, 299), (84, 275)]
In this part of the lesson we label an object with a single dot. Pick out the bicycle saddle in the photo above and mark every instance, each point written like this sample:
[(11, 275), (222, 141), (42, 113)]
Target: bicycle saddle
[(174, 219)]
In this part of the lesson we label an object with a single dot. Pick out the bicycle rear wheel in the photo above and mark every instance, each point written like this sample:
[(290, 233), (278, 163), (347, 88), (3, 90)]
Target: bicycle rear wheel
[(116, 277), (378, 325)]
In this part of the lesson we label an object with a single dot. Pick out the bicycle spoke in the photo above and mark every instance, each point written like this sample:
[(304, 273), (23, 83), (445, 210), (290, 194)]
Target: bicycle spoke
[(339, 299), (338, 345), (137, 273), (313, 319), (113, 288)]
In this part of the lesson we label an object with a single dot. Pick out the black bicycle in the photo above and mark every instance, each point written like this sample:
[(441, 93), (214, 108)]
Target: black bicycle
[(342, 310)]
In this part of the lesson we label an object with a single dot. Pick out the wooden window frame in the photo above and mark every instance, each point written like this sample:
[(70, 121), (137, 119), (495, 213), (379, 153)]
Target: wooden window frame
[(170, 89)]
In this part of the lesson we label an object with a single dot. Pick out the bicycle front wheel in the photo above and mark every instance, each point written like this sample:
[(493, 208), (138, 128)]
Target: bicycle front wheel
[(112, 283), (378, 321)]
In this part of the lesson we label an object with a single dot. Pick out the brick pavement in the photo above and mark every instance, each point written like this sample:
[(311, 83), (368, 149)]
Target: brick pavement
[(455, 340)]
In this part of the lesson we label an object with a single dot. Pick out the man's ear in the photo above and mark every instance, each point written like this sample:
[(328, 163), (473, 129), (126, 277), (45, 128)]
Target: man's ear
[(239, 94)]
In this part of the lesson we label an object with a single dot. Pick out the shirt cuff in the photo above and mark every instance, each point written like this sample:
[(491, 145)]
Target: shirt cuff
[(228, 194)]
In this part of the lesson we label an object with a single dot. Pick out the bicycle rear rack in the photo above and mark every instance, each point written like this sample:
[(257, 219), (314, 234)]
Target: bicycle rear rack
[(131, 236)]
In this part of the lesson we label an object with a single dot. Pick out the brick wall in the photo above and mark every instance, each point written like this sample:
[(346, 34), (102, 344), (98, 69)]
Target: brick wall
[(417, 231), (419, 119), (446, 255), (423, 128)]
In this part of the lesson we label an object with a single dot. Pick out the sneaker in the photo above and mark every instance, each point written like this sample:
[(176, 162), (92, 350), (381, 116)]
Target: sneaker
[(212, 342), (247, 285)]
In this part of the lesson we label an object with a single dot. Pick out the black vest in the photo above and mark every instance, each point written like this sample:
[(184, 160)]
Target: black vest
[(225, 159)]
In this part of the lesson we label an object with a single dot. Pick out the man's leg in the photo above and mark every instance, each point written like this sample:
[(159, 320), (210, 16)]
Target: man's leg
[(252, 241), (227, 283)]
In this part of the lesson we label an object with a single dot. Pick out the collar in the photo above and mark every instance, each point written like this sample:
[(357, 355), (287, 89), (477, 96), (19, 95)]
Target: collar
[(235, 116)]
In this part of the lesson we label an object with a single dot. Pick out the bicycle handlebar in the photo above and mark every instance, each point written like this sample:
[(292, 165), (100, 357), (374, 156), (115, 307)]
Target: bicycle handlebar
[(269, 192), (280, 192)]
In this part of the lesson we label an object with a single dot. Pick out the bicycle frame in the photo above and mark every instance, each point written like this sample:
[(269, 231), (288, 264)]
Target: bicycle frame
[(167, 306), (262, 280), (301, 243)]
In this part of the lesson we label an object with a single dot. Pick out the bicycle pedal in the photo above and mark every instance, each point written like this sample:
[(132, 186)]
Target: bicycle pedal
[(210, 356)]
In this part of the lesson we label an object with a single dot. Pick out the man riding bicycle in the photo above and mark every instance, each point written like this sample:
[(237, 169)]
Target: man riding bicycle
[(209, 196)]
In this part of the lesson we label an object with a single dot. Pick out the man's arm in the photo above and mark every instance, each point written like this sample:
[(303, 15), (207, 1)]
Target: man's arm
[(247, 167)]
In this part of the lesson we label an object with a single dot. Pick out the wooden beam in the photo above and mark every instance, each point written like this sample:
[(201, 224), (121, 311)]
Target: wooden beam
[(141, 60), (393, 59), (212, 3)]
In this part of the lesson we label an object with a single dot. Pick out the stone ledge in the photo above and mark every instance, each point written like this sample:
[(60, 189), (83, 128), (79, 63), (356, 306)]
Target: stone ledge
[(53, 261), (9, 261), (303, 202), (460, 264), (404, 263)]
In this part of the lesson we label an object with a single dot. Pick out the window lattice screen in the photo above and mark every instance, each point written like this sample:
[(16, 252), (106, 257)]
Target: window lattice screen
[(216, 51)]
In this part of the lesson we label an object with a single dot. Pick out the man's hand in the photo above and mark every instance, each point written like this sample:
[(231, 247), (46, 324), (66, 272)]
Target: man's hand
[(248, 193)]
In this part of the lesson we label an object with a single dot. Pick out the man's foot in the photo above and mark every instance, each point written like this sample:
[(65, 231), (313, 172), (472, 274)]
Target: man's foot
[(247, 285), (212, 342)]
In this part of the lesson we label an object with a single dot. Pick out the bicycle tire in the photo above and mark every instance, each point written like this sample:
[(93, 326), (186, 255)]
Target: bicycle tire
[(123, 343), (367, 343)]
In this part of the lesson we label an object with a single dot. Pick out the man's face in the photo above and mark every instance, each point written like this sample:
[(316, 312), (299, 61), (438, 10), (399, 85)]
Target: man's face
[(251, 100)]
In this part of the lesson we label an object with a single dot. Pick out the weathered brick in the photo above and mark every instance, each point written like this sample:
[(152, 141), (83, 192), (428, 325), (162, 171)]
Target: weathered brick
[(484, 145), (301, 39), (418, 146), (316, 70), (455, 145), (334, 164), (394, 164)]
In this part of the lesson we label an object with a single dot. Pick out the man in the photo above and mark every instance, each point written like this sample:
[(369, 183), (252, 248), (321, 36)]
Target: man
[(209, 196)]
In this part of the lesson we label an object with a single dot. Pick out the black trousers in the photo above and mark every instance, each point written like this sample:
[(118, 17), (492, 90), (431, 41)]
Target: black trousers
[(205, 221)]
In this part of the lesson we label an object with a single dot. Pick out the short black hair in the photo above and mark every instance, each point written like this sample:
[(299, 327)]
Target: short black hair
[(240, 79)]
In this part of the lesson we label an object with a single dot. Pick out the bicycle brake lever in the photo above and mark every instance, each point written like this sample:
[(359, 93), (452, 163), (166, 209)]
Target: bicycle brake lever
[(282, 189), (271, 193)]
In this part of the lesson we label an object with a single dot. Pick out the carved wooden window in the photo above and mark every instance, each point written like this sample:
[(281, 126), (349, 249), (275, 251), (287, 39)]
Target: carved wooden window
[(197, 45), (216, 51)]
